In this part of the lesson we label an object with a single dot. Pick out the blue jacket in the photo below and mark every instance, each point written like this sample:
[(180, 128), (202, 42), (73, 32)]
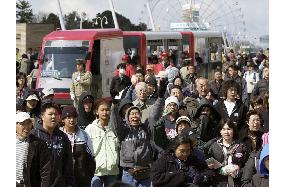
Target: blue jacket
[(264, 153)]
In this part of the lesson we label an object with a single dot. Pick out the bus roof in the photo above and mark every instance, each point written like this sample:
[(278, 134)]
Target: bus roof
[(83, 34), (203, 34), (150, 35)]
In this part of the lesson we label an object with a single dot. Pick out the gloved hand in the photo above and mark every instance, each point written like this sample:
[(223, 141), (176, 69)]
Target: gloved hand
[(113, 93), (162, 88), (72, 96)]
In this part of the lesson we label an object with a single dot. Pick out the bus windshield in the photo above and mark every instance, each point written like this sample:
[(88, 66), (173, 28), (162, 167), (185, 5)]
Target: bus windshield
[(58, 61)]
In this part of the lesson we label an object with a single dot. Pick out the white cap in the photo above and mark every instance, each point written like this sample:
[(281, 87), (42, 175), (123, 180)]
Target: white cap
[(183, 118), (22, 116), (171, 99), (31, 97), (47, 92)]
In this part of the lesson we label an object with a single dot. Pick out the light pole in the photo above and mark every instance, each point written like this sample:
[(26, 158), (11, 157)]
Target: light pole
[(101, 20), (82, 16)]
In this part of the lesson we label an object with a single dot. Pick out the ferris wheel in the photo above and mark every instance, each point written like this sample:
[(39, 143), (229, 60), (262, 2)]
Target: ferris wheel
[(221, 15)]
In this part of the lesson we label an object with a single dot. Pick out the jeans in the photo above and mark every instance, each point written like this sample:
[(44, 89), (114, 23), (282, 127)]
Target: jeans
[(103, 181), (127, 178)]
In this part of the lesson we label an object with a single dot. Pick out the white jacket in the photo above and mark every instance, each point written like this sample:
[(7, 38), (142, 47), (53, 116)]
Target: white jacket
[(106, 148), (252, 78)]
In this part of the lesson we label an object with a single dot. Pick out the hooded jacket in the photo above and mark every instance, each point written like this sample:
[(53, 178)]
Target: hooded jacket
[(61, 155), (84, 118), (38, 170), (167, 171), (261, 179), (106, 148), (82, 154), (207, 126), (136, 142)]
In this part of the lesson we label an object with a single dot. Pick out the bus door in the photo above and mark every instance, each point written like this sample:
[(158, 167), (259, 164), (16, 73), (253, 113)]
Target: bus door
[(174, 46), (188, 46)]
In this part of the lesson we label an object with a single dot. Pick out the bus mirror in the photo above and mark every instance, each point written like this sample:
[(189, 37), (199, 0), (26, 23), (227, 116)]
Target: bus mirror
[(88, 56)]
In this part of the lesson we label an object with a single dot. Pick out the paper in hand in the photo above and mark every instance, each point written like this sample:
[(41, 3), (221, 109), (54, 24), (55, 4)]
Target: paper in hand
[(216, 163)]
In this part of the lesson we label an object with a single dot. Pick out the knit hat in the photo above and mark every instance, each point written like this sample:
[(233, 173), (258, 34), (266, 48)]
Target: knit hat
[(69, 111), (172, 72), (171, 99), (22, 116), (140, 86)]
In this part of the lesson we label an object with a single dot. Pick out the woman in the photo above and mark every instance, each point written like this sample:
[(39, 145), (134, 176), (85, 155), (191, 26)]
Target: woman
[(105, 145), (84, 163), (227, 151), (178, 167), (21, 85), (251, 134)]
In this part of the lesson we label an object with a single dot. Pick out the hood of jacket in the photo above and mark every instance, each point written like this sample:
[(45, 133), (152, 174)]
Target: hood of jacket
[(128, 111), (264, 153), (85, 118), (206, 103), (122, 103)]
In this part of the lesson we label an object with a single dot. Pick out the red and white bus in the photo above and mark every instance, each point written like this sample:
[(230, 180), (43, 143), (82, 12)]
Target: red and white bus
[(101, 48)]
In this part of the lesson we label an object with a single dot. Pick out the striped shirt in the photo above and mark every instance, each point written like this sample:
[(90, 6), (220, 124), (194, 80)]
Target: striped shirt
[(21, 157)]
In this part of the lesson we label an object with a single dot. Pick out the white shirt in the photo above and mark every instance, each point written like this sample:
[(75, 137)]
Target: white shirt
[(229, 106)]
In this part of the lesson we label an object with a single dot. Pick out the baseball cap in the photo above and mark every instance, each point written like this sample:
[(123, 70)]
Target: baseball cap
[(183, 118), (31, 97), (22, 116), (47, 92), (69, 111), (190, 133)]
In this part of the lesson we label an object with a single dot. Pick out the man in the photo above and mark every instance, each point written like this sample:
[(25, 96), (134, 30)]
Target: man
[(119, 82), (58, 145), (82, 149), (191, 78), (251, 77), (262, 86), (216, 84), (32, 156), (86, 110), (233, 75), (81, 81)]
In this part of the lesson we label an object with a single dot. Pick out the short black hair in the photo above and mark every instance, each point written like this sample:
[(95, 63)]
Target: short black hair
[(231, 124), (250, 113), (140, 71), (229, 84), (177, 87), (234, 67), (48, 103), (179, 140), (178, 77)]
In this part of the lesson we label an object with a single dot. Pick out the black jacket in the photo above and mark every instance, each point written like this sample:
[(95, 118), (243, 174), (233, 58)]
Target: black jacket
[(261, 87), (207, 126), (238, 115), (118, 84), (214, 148), (61, 161), (38, 169), (246, 140), (250, 168), (84, 118), (167, 172)]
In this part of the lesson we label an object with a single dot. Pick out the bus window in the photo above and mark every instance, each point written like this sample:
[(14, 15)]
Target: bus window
[(59, 61), (200, 47), (131, 46), (154, 45), (133, 53), (175, 50), (215, 49)]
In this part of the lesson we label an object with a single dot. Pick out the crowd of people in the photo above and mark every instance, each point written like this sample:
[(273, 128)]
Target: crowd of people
[(166, 126)]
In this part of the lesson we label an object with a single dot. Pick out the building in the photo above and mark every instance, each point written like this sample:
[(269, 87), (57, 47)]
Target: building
[(29, 35)]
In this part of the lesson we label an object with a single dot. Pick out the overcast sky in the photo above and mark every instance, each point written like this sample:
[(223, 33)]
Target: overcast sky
[(256, 13)]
